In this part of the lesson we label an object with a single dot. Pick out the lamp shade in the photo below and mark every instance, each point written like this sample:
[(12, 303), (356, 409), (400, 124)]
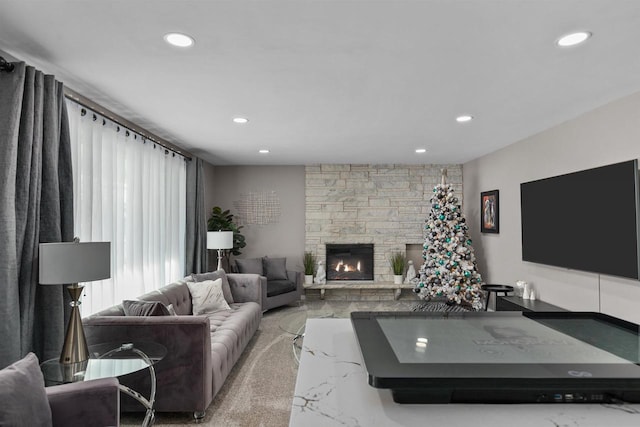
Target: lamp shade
[(71, 262), (219, 239)]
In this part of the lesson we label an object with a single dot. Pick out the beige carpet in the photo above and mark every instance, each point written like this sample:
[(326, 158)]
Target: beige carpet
[(259, 390)]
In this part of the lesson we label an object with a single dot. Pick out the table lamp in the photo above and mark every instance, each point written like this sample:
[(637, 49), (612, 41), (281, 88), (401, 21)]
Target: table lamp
[(219, 240), (73, 262)]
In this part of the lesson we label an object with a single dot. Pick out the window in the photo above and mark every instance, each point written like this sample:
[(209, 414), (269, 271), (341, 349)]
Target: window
[(131, 192)]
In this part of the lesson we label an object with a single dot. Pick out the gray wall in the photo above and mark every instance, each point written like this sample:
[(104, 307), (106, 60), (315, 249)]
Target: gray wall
[(607, 135), (284, 238)]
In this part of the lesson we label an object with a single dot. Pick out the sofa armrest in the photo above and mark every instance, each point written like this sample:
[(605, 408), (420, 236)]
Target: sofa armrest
[(296, 277), (184, 375), (85, 403), (248, 287)]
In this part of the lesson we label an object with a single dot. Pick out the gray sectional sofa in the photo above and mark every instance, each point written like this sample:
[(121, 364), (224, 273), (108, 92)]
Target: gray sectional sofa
[(201, 350)]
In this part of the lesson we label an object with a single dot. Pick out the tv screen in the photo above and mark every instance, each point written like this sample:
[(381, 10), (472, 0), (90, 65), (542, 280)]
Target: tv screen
[(585, 220)]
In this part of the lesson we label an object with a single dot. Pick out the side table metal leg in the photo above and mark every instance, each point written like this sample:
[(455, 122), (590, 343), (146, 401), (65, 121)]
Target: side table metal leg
[(149, 417)]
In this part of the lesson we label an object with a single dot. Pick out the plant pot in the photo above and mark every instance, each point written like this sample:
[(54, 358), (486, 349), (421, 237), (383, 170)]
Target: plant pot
[(397, 279), (308, 279)]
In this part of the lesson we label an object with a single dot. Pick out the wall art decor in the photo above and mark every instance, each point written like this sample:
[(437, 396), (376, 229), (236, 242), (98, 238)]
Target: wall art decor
[(489, 214), (259, 208)]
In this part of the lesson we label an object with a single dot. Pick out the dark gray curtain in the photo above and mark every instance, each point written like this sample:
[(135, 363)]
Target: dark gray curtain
[(196, 226), (36, 205)]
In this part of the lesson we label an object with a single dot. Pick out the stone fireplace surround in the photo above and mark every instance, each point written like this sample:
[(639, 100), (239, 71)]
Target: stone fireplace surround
[(381, 204)]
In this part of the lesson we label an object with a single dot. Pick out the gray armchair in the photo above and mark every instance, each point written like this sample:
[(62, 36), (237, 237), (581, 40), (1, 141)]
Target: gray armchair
[(271, 290), (86, 404), (25, 401), (279, 286)]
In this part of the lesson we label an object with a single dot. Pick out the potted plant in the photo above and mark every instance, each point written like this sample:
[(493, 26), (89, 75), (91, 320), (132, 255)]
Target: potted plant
[(223, 221), (309, 262), (398, 262)]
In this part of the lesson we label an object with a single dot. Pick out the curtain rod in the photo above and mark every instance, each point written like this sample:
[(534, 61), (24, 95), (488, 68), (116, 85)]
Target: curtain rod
[(6, 66), (97, 108)]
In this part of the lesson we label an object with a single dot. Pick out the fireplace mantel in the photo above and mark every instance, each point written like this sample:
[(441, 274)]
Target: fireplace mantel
[(360, 291)]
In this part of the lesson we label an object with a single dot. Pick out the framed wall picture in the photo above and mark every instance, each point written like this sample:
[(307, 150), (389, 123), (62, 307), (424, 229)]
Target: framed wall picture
[(489, 213)]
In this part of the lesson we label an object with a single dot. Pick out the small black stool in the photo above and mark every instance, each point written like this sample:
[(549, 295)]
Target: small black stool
[(504, 289)]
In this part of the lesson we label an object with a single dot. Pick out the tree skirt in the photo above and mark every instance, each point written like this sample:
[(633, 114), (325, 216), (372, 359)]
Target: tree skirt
[(438, 306)]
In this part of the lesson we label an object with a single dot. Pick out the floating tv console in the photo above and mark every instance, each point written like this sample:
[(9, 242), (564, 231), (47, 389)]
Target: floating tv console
[(519, 304)]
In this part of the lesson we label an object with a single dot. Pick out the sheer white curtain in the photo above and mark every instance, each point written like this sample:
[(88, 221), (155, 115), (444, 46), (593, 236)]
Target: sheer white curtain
[(132, 193)]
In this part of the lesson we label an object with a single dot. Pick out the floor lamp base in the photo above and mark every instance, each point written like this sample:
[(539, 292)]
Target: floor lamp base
[(219, 259)]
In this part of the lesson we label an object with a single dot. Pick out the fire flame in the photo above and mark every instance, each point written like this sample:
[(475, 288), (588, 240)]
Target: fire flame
[(347, 267)]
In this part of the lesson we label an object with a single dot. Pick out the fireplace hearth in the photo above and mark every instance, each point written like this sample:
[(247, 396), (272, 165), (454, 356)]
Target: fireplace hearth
[(349, 261)]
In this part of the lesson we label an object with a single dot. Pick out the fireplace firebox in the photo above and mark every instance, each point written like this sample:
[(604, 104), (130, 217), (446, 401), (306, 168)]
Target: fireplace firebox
[(350, 261)]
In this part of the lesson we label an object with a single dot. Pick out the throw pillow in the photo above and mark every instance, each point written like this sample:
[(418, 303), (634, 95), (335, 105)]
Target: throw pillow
[(207, 297), (214, 275), (24, 400), (144, 308), (250, 266), (275, 268)]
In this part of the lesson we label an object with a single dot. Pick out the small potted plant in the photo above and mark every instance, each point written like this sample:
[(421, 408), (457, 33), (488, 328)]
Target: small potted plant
[(398, 262), (309, 262)]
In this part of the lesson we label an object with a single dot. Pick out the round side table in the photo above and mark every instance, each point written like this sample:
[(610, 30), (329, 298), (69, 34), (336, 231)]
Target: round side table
[(496, 289), (112, 360)]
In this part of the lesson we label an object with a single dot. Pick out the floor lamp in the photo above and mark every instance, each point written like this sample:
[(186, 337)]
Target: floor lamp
[(219, 240), (73, 262)]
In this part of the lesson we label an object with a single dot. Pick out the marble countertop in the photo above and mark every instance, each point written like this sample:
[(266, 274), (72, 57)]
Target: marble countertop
[(332, 390)]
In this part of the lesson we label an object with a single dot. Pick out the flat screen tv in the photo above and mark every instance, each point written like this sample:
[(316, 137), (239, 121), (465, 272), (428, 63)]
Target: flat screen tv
[(585, 220)]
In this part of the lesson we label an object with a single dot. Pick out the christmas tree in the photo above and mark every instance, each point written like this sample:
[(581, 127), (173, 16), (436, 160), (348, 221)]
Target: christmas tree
[(449, 268)]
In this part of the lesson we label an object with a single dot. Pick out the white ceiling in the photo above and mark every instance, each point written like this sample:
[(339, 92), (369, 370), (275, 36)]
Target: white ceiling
[(334, 81)]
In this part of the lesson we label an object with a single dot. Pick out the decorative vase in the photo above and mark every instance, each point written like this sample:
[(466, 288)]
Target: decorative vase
[(397, 279), (308, 279), (520, 285)]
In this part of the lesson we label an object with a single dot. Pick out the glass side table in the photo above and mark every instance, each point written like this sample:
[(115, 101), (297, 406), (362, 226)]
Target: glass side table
[(112, 360)]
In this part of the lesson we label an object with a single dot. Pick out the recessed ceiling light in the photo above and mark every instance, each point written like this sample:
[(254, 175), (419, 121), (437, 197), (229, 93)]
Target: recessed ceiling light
[(240, 120), (573, 39), (263, 151), (421, 150), (179, 39), (464, 118)]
